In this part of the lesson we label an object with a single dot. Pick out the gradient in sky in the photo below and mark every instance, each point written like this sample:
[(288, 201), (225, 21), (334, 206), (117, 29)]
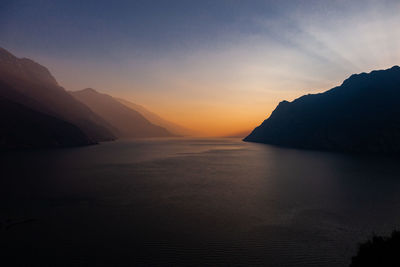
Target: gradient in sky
[(219, 66)]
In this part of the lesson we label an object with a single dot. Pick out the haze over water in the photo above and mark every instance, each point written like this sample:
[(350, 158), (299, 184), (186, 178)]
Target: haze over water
[(193, 201)]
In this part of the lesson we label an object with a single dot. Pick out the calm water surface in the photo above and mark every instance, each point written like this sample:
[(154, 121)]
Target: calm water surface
[(192, 202)]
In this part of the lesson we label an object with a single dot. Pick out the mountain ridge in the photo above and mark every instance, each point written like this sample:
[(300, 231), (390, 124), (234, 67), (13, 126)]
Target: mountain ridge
[(42, 93), (157, 119), (127, 122), (361, 115), (23, 128)]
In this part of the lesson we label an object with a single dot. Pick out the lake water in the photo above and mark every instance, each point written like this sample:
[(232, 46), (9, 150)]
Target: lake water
[(193, 202)]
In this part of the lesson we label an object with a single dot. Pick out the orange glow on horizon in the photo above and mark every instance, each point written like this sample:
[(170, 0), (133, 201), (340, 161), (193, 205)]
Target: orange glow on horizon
[(231, 86), (212, 120)]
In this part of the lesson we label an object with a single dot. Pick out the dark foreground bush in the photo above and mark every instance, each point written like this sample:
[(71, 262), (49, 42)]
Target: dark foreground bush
[(379, 251)]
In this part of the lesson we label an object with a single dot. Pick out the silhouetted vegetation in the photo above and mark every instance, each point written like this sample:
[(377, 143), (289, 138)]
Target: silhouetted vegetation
[(379, 251)]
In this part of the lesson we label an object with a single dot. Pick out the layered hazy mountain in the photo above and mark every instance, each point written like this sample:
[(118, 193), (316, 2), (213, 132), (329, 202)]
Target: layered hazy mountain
[(37, 112), (158, 120), (29, 84), (23, 127), (127, 122), (361, 115)]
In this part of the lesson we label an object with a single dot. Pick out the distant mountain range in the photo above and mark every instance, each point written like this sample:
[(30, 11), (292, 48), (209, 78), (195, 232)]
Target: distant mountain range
[(37, 86), (361, 115), (38, 112), (157, 120), (126, 122)]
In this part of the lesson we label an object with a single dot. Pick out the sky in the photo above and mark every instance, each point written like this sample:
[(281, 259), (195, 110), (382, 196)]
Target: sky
[(219, 67)]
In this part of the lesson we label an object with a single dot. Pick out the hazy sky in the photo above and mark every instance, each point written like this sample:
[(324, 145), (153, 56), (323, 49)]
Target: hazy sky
[(218, 66)]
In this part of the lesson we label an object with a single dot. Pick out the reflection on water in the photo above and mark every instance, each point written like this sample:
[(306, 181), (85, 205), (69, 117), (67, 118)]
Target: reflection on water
[(193, 201)]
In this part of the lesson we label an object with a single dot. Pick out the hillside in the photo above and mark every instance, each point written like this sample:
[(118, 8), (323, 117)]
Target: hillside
[(361, 115), (127, 122), (28, 83)]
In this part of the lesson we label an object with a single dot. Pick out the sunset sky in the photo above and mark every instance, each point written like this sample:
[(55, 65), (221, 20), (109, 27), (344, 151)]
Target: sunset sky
[(216, 66)]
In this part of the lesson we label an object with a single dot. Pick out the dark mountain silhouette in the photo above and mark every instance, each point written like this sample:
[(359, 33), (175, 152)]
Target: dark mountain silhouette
[(28, 83), (157, 120), (22, 127), (126, 121), (361, 115)]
